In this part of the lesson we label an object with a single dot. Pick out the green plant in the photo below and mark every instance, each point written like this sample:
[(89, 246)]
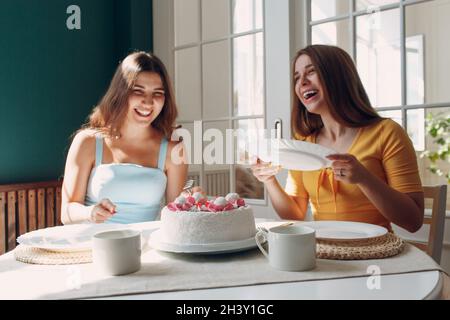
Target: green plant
[(438, 127)]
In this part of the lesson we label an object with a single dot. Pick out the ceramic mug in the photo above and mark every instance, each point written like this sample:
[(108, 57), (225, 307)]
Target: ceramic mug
[(290, 248), (117, 252)]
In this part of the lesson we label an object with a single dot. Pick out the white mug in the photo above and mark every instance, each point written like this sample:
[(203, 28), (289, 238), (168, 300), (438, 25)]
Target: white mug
[(117, 252), (290, 248)]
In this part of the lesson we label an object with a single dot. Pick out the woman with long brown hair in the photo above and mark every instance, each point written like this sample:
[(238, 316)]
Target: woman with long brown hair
[(374, 177), (119, 167)]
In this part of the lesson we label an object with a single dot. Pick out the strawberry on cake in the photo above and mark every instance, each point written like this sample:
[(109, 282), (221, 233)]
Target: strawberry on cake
[(197, 220)]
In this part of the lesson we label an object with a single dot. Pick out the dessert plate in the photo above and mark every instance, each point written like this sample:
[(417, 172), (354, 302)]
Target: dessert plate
[(76, 237), (294, 154), (336, 230), (215, 248), (345, 230)]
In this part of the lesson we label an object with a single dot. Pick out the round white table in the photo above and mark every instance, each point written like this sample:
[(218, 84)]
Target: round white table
[(25, 281)]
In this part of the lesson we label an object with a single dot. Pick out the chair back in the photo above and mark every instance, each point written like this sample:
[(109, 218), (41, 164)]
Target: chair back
[(437, 221)]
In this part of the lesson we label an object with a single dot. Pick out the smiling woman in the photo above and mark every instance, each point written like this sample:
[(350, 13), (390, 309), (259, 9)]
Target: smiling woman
[(119, 166), (374, 176)]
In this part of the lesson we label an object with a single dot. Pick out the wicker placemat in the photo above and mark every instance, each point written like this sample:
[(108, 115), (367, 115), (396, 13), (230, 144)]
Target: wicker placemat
[(32, 255), (376, 248)]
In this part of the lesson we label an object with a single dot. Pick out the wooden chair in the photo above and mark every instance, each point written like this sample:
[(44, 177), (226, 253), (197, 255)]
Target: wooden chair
[(27, 207), (437, 221)]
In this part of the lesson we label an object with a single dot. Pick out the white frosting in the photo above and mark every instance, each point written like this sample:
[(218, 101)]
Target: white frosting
[(220, 201), (232, 197), (186, 227), (197, 196)]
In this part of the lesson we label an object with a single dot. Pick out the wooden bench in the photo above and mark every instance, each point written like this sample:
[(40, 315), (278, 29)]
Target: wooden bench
[(27, 207)]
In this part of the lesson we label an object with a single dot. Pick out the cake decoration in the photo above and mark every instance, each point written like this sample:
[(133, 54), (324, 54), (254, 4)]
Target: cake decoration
[(198, 202)]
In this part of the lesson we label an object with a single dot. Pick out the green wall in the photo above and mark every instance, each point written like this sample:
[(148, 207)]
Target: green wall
[(51, 77)]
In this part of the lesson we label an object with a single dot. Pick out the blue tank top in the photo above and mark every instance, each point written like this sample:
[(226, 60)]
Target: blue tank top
[(136, 191)]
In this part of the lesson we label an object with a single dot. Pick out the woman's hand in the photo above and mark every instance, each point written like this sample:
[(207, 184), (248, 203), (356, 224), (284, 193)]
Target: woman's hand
[(264, 171), (347, 168), (102, 211), (192, 191)]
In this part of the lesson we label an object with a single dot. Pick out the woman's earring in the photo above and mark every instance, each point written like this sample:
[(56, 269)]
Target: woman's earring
[(117, 134)]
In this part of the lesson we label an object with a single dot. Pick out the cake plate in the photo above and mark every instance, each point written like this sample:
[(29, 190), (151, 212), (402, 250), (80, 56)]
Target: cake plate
[(214, 248)]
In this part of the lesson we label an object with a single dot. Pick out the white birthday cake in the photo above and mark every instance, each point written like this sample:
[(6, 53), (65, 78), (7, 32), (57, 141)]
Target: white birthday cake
[(197, 220)]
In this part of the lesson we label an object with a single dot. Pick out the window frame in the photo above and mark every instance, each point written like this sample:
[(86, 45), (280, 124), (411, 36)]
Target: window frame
[(352, 16)]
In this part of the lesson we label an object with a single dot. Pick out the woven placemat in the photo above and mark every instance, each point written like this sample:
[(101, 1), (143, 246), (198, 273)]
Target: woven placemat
[(375, 248), (32, 255)]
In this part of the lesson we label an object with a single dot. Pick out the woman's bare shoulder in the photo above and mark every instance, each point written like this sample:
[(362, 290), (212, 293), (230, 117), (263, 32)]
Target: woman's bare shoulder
[(87, 133), (84, 143)]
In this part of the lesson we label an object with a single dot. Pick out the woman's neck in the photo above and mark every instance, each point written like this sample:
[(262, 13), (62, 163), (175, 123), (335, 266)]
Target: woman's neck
[(333, 130), (135, 133)]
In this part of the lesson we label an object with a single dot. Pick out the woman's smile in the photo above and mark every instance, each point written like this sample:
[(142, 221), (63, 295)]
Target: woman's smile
[(143, 113), (310, 95)]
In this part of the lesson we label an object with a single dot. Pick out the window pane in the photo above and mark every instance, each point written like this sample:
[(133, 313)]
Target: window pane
[(216, 156), (247, 15), (371, 5), (215, 19), (216, 80), (248, 133), (395, 115), (428, 64), (322, 9), (248, 79), (415, 122), (188, 84), (378, 56), (429, 178), (187, 21), (333, 33), (415, 80)]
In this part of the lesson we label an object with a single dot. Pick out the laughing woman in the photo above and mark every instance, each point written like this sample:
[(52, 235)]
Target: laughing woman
[(119, 166), (374, 177)]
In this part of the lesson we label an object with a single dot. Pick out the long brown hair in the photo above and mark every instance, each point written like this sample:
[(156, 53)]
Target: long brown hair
[(343, 92), (108, 116)]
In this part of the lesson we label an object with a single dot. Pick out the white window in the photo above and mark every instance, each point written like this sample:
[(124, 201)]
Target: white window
[(401, 51), (230, 63)]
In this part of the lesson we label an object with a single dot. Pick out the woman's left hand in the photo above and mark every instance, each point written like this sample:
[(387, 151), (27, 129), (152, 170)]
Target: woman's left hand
[(192, 191), (347, 168)]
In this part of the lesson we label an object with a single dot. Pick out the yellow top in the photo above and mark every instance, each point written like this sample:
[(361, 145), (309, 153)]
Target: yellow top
[(385, 150)]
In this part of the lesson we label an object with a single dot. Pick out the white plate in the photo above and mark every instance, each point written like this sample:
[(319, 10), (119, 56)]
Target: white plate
[(77, 237), (345, 230), (215, 248), (294, 154)]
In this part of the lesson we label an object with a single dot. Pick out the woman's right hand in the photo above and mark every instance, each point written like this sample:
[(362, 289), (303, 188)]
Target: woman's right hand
[(102, 211), (264, 171)]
